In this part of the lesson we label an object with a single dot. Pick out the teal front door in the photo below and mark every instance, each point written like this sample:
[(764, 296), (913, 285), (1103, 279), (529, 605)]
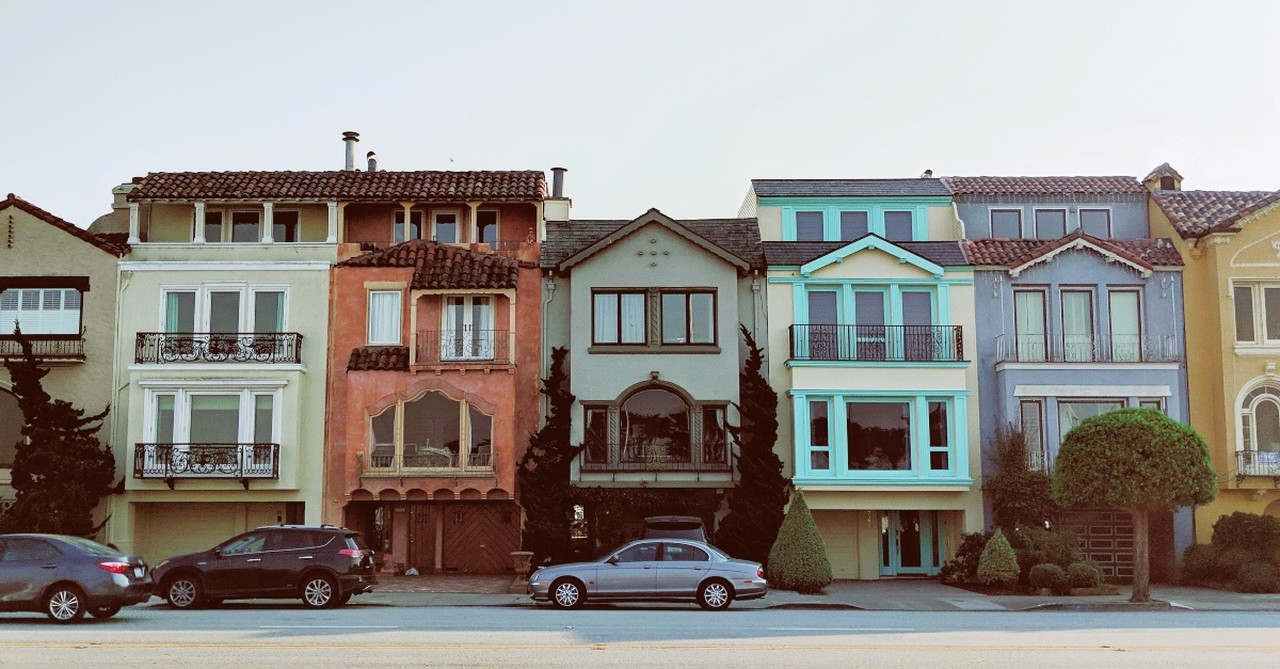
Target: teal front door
[(910, 543)]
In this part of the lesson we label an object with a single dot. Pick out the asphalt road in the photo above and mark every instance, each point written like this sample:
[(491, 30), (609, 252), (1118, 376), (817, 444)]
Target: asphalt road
[(365, 636)]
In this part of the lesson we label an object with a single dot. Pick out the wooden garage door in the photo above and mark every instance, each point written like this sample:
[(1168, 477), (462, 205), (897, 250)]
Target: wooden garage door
[(480, 537), (1106, 539)]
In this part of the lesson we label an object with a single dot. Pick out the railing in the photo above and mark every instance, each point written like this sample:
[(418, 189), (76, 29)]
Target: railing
[(1087, 348), (206, 461), (426, 457), (1258, 463), (462, 346), (64, 347), (877, 343), (261, 347), (666, 455)]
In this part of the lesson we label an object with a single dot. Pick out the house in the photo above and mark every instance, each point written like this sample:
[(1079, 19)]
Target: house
[(1230, 242), (871, 347), (1079, 311)]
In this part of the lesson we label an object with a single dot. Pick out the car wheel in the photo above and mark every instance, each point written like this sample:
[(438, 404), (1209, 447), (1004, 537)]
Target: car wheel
[(715, 595), (567, 593), (320, 592), (104, 612), (64, 604), (183, 592)]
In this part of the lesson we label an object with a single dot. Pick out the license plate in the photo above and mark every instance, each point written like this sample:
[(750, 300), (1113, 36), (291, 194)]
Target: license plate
[(139, 571)]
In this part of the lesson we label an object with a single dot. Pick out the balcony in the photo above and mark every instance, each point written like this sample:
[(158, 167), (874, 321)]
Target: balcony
[(159, 348), (466, 346), (1258, 463), (666, 455), (418, 460), (171, 462), (877, 343), (1087, 348), (46, 347)]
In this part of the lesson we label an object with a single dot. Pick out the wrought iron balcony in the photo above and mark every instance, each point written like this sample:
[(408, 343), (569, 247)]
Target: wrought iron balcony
[(1087, 348), (171, 462), (1258, 463), (45, 347), (877, 343), (665, 455), (384, 459), (255, 347), (435, 347)]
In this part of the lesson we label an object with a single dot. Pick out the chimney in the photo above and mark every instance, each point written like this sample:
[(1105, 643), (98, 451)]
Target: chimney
[(350, 138), (927, 174), (373, 161), (557, 182)]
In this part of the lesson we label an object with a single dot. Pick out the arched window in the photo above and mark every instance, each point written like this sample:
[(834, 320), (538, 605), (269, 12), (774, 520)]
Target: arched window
[(433, 431), (1260, 419), (655, 427), (10, 427)]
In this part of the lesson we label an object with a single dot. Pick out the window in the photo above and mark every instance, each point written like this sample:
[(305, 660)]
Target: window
[(879, 435), (1073, 412), (853, 225), (384, 317), (40, 311), (715, 435), (1077, 326), (1029, 316), (619, 318), (1252, 301), (879, 438), (444, 226), (898, 226), (809, 226), (467, 330), (26, 549), (688, 317), (1096, 222), (213, 416), (213, 226), (486, 226), (1051, 223), (1006, 223), (1244, 314), (224, 309), (435, 431), (1126, 326), (683, 553), (254, 542), (10, 427), (639, 553), (399, 234), (654, 427), (596, 434), (819, 435), (939, 437), (1166, 183), (246, 226), (1260, 419), (1156, 403), (284, 226), (1031, 415)]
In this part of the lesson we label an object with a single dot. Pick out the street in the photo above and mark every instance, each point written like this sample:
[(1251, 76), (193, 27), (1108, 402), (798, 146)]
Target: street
[(265, 635)]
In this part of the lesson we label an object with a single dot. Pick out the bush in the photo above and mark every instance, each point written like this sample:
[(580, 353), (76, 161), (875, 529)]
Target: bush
[(998, 564), (1018, 494), (1049, 576), (798, 560), (1227, 563), (963, 568), (1259, 535), (1083, 575), (1035, 545), (1198, 563), (1257, 576)]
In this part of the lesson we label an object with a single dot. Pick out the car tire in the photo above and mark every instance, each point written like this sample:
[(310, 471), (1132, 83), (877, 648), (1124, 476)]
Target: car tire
[(64, 604), (567, 593), (320, 591), (183, 592), (715, 595), (104, 612)]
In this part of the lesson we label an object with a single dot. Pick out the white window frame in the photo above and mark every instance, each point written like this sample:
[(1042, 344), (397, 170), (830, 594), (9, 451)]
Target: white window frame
[(991, 222), (1035, 222), (247, 314), (398, 225), (1249, 441), (7, 323), (398, 313), (480, 346), (1258, 302), (182, 410), (457, 224), (1110, 220)]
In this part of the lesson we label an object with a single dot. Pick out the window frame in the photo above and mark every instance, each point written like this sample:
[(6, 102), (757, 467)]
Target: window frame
[(182, 401), (1092, 335), (1035, 217), (229, 225), (457, 224), (688, 316), (398, 313), (618, 293), (1037, 453), (497, 225), (1110, 221), (1043, 291), (399, 444), (991, 221), (6, 328), (246, 318), (399, 232), (1136, 292)]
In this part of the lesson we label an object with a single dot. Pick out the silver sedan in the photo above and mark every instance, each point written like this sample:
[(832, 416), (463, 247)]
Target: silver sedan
[(652, 570)]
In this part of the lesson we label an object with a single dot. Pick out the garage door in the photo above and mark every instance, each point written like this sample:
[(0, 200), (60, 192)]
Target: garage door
[(165, 530)]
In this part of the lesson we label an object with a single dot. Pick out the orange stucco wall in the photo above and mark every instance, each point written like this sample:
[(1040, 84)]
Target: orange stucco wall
[(372, 222)]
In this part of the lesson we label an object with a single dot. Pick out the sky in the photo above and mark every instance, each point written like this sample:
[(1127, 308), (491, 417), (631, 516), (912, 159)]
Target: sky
[(673, 105)]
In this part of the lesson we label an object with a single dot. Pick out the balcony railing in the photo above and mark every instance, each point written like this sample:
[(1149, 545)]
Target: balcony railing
[(385, 460), (462, 346), (877, 343), (67, 347), (171, 462), (1087, 348), (1258, 463), (664, 456), (255, 347)]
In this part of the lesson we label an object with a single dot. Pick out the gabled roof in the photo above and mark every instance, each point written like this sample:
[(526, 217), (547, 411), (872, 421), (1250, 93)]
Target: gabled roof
[(1143, 255), (347, 185), (849, 188), (1037, 186), (796, 254), (113, 244), (737, 240), (875, 242), (1196, 213), (443, 266), (1162, 170), (379, 358)]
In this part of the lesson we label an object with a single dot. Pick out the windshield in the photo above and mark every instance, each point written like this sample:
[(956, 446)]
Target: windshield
[(93, 547)]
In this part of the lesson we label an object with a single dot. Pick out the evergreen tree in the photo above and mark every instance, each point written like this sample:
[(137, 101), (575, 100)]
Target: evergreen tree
[(798, 560), (543, 475), (998, 564), (1019, 495), (60, 470), (756, 504)]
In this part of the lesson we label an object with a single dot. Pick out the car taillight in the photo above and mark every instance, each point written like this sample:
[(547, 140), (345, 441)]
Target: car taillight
[(759, 572), (115, 567), (354, 552)]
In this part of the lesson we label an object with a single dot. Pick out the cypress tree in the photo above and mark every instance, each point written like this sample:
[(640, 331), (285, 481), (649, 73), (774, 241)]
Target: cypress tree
[(543, 474)]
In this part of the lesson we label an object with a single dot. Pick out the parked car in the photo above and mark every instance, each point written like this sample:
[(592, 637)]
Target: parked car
[(674, 527), (66, 577), (323, 565), (652, 570)]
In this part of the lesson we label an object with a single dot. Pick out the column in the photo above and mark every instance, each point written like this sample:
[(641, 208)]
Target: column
[(333, 224), (268, 221), (134, 238), (197, 236)]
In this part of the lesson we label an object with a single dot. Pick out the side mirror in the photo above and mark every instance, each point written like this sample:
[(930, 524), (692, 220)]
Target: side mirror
[(217, 553)]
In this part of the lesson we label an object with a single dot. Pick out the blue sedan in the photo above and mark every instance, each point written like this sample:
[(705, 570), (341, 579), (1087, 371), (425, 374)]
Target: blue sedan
[(65, 577)]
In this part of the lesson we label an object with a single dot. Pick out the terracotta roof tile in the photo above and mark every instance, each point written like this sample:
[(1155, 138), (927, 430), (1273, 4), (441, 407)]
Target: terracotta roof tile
[(1162, 170), (348, 185), (1030, 186), (379, 359), (1196, 213), (438, 265), (115, 245), (1013, 252)]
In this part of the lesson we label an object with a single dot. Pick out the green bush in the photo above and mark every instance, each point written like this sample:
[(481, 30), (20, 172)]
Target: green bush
[(1227, 563), (1083, 575), (1198, 564), (998, 564), (1257, 576), (963, 568), (798, 560), (1035, 545), (1259, 535), (1049, 576)]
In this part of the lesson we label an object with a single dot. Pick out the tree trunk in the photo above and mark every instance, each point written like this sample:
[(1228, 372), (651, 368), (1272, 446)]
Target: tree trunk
[(1141, 557)]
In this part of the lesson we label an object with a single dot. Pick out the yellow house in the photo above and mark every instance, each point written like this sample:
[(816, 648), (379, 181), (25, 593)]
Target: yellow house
[(1230, 242)]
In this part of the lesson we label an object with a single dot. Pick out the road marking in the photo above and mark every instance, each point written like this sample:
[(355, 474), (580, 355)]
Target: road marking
[(840, 629), (328, 627)]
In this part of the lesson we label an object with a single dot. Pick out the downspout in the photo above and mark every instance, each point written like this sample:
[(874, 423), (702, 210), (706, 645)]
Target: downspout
[(545, 351), (122, 282), (756, 307)]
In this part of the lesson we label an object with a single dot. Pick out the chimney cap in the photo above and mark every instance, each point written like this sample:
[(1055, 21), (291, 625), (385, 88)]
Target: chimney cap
[(351, 135)]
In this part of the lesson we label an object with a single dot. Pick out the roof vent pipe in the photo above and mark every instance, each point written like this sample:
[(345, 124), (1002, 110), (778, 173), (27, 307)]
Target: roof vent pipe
[(557, 181), (373, 161), (350, 138)]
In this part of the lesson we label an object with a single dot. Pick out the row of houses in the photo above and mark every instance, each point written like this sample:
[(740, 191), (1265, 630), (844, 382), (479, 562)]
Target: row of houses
[(366, 348)]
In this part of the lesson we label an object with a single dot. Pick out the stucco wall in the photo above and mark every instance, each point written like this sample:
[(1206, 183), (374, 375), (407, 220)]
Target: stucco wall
[(1128, 214)]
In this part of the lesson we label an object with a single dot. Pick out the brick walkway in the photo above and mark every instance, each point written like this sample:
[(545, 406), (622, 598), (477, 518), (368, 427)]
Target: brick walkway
[(476, 584)]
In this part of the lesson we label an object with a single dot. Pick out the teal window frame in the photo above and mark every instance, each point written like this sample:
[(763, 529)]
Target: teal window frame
[(875, 219)]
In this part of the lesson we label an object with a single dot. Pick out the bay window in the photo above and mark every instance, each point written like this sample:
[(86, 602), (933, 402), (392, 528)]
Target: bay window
[(431, 431), (40, 311), (655, 428)]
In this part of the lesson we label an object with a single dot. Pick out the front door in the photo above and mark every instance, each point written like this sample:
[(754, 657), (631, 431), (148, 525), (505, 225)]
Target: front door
[(911, 543)]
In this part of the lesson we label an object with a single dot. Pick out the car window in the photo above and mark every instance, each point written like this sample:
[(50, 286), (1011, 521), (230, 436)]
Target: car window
[(683, 553), (93, 547), (23, 548), (248, 543), (355, 541), (290, 540), (639, 553)]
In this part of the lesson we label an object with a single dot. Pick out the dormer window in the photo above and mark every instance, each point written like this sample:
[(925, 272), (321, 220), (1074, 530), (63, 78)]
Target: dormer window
[(809, 226), (1166, 183), (1051, 223), (898, 226)]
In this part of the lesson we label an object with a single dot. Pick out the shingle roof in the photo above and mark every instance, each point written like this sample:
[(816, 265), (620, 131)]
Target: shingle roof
[(437, 266), (113, 244), (849, 188), (349, 185), (1012, 252), (379, 358), (739, 237), (1043, 185), (1196, 213), (789, 254)]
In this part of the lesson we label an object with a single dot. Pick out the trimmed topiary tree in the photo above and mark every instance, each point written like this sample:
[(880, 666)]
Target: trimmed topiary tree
[(1136, 460), (1083, 575), (1251, 532), (1050, 577), (798, 560), (998, 564)]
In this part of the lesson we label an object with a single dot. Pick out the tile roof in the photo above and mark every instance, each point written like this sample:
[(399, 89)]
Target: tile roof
[(1013, 252), (379, 359), (1162, 170), (789, 254), (437, 265), (739, 237), (113, 244), (849, 187), (348, 185), (1043, 185), (1196, 213)]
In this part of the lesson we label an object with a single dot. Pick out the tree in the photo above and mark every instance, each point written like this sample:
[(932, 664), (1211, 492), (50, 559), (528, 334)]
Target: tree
[(756, 504), (998, 564), (60, 470), (543, 475), (1019, 495), (1139, 461), (798, 560)]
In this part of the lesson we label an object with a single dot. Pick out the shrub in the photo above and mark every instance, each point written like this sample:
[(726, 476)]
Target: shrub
[(1227, 563), (1198, 563), (1049, 576), (1083, 575), (798, 560), (963, 568), (998, 564), (1259, 535), (1035, 545), (1257, 576), (1018, 494)]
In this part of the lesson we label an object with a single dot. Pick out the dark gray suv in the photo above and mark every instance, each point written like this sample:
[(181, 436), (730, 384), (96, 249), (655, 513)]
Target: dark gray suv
[(323, 565), (65, 577)]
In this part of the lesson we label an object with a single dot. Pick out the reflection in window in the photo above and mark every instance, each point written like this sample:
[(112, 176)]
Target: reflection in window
[(431, 429), (879, 435), (596, 443), (655, 428), (481, 432), (383, 448), (1260, 419), (715, 441), (1072, 413), (939, 436), (819, 436)]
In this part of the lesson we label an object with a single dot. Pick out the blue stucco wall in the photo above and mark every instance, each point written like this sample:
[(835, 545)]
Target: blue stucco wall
[(1128, 213)]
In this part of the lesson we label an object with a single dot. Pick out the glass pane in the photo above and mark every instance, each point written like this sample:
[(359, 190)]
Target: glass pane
[(1077, 325), (1006, 224), (1244, 313), (1126, 339), (819, 434), (819, 460), (268, 311), (224, 311), (215, 419), (263, 411), (486, 227), (180, 312), (1096, 222), (938, 425), (1271, 299), (1051, 223), (809, 226), (446, 231), (714, 436), (244, 226), (284, 226), (853, 224), (1029, 314), (702, 314), (655, 428), (432, 429), (917, 308), (879, 435), (633, 318), (868, 307), (384, 317), (164, 419), (52, 299), (606, 318), (1032, 433), (481, 441), (213, 226), (1267, 417), (596, 432), (383, 447), (897, 226), (822, 307), (1071, 414), (674, 327), (415, 227)]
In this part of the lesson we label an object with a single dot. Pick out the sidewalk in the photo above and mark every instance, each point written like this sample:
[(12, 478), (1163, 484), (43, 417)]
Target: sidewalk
[(882, 595)]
